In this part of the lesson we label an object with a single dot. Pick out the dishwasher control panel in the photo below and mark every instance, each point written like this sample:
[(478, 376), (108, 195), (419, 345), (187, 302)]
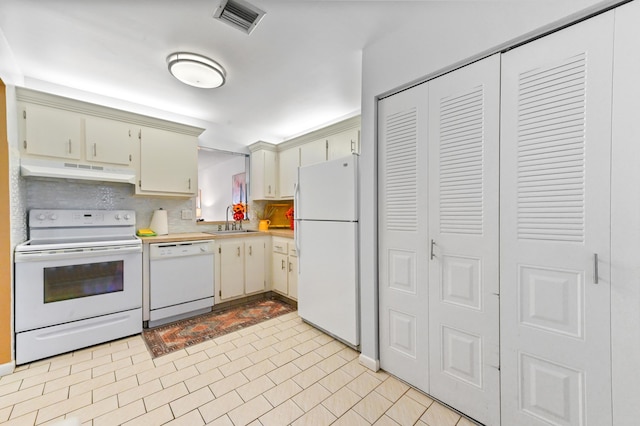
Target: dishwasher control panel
[(180, 249)]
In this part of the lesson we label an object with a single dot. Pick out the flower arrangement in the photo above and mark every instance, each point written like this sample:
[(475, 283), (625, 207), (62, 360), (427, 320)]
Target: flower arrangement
[(289, 213), (239, 209)]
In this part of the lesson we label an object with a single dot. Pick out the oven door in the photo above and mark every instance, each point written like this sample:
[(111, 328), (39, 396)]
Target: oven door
[(60, 286)]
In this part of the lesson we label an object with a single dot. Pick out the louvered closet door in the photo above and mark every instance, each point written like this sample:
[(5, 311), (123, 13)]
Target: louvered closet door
[(555, 226), (403, 260), (464, 120)]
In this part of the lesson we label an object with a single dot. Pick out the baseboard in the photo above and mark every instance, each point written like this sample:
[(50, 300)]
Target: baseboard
[(6, 369), (370, 363)]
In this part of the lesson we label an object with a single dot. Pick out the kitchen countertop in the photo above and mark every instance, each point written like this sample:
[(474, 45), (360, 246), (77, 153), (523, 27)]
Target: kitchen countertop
[(197, 236)]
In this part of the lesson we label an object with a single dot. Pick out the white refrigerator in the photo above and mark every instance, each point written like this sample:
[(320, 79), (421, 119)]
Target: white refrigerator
[(326, 235)]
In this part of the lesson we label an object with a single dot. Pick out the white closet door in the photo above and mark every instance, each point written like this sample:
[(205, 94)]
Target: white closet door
[(464, 126), (555, 228), (403, 285)]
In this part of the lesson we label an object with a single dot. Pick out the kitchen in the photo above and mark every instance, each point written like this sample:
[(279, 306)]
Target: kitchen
[(390, 76)]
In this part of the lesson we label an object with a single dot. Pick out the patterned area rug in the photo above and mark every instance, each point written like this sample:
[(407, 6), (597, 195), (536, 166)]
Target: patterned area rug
[(178, 335)]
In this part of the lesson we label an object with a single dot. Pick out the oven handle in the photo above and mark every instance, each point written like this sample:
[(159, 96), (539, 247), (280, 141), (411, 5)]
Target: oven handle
[(75, 253)]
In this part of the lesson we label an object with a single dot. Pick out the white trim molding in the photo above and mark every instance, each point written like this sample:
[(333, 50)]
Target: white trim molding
[(370, 363), (6, 369)]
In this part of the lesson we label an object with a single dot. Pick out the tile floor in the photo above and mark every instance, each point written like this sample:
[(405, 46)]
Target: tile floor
[(278, 372)]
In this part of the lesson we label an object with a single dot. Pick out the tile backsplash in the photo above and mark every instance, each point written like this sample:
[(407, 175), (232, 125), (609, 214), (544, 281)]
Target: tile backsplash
[(67, 194)]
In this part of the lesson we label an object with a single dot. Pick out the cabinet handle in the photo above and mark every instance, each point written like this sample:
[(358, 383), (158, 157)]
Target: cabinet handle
[(282, 264), (290, 267), (69, 146), (95, 150), (431, 255), (353, 146), (238, 251), (269, 189), (595, 268), (189, 183), (250, 250)]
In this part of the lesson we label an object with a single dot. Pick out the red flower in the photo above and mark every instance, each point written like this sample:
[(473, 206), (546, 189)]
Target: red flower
[(289, 213)]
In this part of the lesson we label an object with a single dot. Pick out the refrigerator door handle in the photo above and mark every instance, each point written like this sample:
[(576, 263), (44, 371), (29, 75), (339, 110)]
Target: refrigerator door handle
[(296, 206)]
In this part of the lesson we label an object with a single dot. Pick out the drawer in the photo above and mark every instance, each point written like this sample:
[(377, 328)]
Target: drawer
[(279, 246), (292, 251)]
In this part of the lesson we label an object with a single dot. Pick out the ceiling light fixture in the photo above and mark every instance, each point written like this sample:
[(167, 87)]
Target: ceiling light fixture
[(196, 70)]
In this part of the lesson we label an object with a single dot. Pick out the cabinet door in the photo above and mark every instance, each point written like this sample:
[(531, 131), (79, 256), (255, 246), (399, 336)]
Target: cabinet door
[(292, 275), (464, 118), (279, 270), (51, 132), (555, 285), (109, 141), (168, 163), (263, 174), (231, 269), (344, 143), (254, 265), (288, 171), (313, 152)]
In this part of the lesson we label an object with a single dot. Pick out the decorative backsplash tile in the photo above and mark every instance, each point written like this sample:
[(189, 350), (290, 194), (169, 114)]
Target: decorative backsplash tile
[(68, 194)]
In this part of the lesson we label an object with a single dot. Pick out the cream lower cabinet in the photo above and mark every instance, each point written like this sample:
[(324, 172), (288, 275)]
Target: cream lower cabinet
[(241, 267), (284, 267)]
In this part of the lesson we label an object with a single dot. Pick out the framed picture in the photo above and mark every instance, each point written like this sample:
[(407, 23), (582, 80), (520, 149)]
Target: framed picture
[(239, 188)]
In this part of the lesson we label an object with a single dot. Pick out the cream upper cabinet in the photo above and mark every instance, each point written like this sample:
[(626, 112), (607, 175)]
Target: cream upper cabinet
[(168, 163), (263, 174), (109, 141), (344, 143), (288, 171), (51, 132), (313, 152)]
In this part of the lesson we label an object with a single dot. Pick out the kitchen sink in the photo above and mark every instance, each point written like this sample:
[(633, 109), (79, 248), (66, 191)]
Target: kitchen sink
[(231, 231)]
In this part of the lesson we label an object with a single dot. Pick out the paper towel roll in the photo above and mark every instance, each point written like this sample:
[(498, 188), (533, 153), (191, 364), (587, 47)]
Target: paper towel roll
[(160, 222)]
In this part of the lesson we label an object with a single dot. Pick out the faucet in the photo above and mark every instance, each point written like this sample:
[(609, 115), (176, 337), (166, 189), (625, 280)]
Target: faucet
[(226, 222)]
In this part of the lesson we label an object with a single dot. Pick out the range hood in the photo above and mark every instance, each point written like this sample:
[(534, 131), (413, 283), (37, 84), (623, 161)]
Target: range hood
[(68, 170)]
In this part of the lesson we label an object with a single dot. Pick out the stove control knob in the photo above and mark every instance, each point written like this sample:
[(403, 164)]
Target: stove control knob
[(41, 217), (117, 216), (53, 216), (127, 216)]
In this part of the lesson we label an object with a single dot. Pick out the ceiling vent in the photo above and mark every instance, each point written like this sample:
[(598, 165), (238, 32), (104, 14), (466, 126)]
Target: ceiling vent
[(239, 14)]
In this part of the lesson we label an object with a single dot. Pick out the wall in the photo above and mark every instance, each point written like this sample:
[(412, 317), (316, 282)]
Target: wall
[(425, 45)]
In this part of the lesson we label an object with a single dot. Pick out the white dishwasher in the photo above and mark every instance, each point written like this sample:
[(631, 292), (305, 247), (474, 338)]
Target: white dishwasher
[(180, 280)]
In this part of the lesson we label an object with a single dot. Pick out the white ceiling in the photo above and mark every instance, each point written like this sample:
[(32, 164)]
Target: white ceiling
[(300, 69)]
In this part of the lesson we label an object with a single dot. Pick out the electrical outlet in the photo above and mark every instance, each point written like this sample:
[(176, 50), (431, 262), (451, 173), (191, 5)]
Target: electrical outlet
[(187, 214)]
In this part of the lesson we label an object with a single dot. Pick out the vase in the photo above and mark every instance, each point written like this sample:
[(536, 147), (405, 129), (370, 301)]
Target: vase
[(263, 225)]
